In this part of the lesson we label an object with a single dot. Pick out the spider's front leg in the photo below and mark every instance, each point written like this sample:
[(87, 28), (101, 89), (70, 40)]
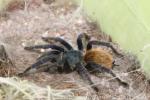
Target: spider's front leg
[(57, 39), (107, 44), (46, 67), (40, 65), (46, 46), (85, 75), (49, 53), (100, 68)]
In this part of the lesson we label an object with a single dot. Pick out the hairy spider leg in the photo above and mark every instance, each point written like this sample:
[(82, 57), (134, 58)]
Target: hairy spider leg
[(46, 46), (85, 75), (57, 39), (100, 68), (107, 44), (41, 68), (36, 67), (82, 38), (49, 53)]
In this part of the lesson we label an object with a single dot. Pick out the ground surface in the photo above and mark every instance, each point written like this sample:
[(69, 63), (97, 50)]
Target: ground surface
[(26, 25)]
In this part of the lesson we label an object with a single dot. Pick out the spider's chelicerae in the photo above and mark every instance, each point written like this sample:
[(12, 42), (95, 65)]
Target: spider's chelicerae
[(63, 58)]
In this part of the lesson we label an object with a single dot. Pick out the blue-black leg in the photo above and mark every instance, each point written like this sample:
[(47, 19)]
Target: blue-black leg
[(107, 44), (49, 53), (57, 39), (85, 75), (46, 67), (46, 46), (36, 67), (81, 41), (100, 68)]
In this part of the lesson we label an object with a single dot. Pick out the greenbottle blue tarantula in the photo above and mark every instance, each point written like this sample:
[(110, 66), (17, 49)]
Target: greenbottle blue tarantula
[(65, 59)]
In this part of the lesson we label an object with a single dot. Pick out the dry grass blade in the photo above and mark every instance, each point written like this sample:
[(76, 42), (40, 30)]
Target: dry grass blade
[(15, 89)]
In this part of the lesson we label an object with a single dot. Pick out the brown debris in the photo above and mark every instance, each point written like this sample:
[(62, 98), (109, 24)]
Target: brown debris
[(7, 67), (15, 5)]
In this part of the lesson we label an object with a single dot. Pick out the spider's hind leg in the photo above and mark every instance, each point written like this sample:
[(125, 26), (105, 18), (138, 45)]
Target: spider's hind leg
[(107, 44), (100, 68), (82, 41), (85, 76)]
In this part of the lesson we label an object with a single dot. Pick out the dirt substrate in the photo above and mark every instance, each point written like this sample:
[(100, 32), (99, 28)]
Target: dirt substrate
[(26, 25)]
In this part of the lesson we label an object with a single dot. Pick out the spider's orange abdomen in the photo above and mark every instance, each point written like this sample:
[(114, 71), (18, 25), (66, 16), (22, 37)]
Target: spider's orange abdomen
[(99, 56)]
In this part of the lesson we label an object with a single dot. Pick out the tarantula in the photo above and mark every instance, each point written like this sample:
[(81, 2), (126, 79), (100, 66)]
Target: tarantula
[(65, 59)]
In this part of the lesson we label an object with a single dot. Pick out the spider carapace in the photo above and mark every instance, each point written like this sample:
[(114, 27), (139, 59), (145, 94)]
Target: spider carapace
[(63, 58)]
